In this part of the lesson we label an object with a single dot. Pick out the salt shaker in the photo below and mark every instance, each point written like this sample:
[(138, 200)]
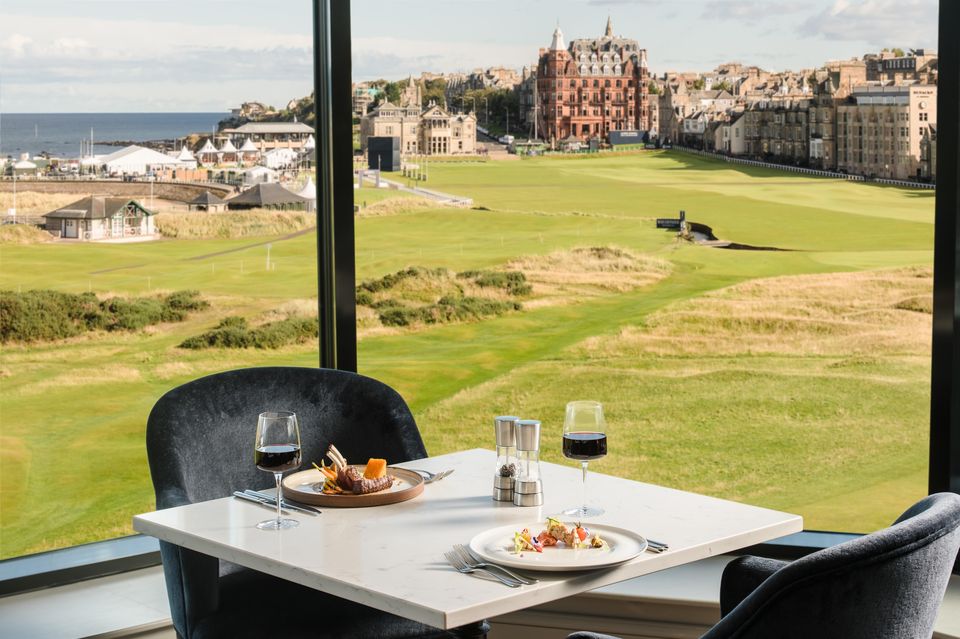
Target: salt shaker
[(528, 489), (506, 469)]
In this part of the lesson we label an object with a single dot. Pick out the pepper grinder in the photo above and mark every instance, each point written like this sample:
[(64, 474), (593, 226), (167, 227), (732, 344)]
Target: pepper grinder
[(506, 469), (528, 489)]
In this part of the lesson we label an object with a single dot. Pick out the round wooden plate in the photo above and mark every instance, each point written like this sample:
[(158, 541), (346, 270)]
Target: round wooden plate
[(304, 487)]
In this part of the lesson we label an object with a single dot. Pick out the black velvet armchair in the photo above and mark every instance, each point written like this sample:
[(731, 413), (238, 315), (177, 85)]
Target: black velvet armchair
[(886, 585), (200, 447)]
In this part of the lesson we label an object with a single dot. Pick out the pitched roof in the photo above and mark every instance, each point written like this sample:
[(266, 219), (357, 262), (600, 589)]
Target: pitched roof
[(206, 199), (266, 194), (96, 207), (207, 148), (249, 146), (228, 147), (142, 153)]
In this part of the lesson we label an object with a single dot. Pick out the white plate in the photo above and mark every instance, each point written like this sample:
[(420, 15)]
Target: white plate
[(496, 546)]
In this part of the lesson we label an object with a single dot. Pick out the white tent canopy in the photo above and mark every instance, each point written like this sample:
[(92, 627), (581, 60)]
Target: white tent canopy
[(309, 190), (228, 147), (310, 143), (207, 148), (24, 165), (138, 160), (185, 155), (249, 147)]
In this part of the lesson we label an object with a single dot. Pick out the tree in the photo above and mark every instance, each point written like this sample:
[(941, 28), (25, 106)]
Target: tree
[(391, 91), (723, 86), (436, 91), (897, 51), (699, 83), (653, 88)]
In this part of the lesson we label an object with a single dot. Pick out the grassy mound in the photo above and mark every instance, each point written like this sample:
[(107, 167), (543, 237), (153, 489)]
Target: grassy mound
[(419, 295), (23, 234), (847, 314), (234, 332), (397, 206), (195, 225), (44, 315)]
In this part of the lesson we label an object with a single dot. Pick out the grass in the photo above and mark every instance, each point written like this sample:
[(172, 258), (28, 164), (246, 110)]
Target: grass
[(194, 225), (813, 400)]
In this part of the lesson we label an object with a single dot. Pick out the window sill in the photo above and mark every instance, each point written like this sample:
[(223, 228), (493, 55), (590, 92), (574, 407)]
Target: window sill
[(676, 603)]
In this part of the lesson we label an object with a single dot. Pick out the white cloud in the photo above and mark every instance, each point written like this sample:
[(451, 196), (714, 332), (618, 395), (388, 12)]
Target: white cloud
[(879, 23), (390, 57), (750, 11)]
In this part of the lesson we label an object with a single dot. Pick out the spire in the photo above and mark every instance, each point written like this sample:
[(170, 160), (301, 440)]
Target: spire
[(609, 32), (557, 44), (410, 82)]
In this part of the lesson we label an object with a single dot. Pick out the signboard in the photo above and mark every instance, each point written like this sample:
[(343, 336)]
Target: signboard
[(626, 137), (668, 223)]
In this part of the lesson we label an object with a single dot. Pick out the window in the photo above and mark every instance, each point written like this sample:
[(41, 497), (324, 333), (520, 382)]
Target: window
[(842, 396)]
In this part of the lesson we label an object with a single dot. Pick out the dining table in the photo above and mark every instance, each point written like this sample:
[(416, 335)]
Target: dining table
[(391, 557)]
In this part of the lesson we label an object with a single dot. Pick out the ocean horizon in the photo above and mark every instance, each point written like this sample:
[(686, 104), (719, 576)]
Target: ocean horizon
[(61, 134)]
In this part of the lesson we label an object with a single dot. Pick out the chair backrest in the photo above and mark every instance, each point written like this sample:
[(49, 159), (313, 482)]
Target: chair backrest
[(200, 435), (200, 446), (886, 585)]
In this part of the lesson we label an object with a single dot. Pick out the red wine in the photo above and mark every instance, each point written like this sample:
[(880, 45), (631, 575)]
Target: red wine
[(277, 459), (584, 446)]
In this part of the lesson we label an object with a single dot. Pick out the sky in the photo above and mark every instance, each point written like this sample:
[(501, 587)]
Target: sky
[(211, 55)]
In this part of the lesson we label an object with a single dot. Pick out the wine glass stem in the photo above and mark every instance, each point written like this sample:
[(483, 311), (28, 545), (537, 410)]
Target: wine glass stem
[(583, 486), (276, 477)]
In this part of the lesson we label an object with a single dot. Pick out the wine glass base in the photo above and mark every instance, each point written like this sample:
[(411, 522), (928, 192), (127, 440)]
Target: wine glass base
[(278, 524), (584, 511)]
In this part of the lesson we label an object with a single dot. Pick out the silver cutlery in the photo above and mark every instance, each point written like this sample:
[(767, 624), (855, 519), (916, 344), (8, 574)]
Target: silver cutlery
[(429, 477), (656, 546), (458, 564), (259, 502), (472, 560), (270, 499)]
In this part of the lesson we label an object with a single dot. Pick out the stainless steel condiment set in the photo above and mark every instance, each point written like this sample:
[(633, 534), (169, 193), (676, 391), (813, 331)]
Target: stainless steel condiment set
[(517, 475)]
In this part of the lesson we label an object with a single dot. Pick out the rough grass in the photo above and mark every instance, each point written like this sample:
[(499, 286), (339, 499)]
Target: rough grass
[(23, 234), (194, 225), (833, 314), (34, 203), (397, 206)]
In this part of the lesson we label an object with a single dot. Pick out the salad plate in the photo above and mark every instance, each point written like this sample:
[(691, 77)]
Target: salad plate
[(306, 485), (497, 546)]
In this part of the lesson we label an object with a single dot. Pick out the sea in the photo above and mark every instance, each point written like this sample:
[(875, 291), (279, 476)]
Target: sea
[(60, 134)]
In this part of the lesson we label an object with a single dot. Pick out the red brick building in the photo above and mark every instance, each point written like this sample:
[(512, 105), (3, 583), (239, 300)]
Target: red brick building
[(592, 87)]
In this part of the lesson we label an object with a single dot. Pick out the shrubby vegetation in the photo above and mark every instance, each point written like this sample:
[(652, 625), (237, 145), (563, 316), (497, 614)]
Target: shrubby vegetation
[(252, 223), (419, 295), (44, 315), (234, 332)]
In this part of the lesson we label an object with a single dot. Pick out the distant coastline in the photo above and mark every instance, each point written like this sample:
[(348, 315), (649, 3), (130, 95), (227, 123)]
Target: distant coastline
[(61, 134)]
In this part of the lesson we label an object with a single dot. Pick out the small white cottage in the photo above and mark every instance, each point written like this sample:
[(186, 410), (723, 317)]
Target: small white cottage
[(101, 218)]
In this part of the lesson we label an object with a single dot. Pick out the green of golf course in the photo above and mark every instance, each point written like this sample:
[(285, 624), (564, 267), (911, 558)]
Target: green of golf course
[(795, 379)]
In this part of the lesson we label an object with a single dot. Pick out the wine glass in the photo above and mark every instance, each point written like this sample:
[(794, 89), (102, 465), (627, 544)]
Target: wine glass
[(584, 438), (277, 449)]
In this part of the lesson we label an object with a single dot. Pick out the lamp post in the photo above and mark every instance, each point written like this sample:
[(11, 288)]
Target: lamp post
[(486, 112), (474, 100)]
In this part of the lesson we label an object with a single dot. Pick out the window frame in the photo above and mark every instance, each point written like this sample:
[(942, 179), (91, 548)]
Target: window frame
[(336, 282)]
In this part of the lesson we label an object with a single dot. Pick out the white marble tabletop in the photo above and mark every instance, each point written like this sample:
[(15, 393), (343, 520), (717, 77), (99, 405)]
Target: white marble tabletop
[(391, 557)]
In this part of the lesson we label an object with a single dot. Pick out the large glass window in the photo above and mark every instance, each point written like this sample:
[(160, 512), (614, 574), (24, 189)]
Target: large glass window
[(139, 279), (777, 352)]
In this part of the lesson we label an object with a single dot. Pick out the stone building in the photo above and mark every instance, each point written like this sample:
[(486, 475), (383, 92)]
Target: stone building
[(442, 133), (432, 132), (928, 154), (390, 120), (918, 65), (880, 128), (822, 120), (777, 130), (592, 87)]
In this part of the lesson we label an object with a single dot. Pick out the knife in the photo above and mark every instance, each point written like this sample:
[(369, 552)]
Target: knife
[(260, 502), (310, 510)]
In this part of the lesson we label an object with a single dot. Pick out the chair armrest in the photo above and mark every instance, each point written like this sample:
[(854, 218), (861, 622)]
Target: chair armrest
[(741, 577), (584, 634)]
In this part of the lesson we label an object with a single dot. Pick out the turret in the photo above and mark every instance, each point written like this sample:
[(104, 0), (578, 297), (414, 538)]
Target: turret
[(557, 44)]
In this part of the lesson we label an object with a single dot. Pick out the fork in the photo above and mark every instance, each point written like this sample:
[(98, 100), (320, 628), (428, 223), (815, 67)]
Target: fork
[(458, 564), (472, 560), (429, 477)]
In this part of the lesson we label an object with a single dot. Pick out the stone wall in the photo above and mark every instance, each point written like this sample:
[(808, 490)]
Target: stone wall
[(183, 192)]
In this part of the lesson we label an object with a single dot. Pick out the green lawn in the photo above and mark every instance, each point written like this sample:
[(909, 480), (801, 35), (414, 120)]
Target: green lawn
[(752, 427)]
